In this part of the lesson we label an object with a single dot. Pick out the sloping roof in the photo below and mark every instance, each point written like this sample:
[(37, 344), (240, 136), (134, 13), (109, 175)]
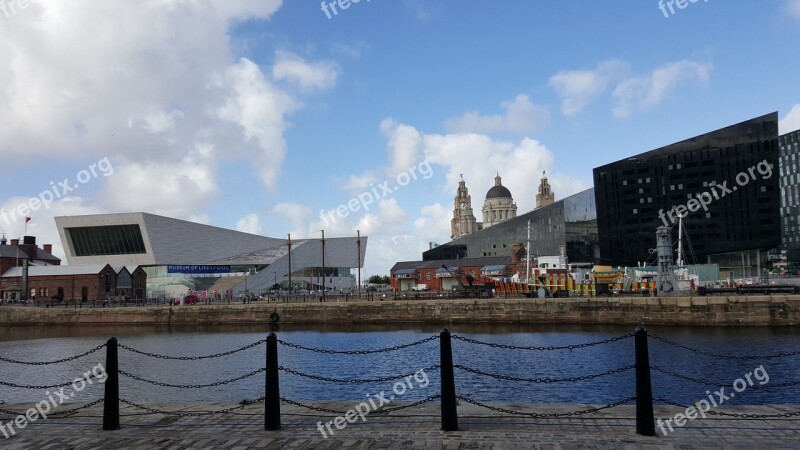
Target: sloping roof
[(265, 256), (39, 271), (10, 251), (453, 263)]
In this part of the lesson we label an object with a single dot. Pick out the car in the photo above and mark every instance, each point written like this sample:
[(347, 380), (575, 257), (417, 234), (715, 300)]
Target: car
[(188, 300)]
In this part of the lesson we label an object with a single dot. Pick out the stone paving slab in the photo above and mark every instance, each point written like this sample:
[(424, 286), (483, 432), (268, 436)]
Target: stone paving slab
[(413, 428)]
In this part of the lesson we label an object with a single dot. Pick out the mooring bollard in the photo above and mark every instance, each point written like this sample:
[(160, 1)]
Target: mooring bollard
[(272, 400), (111, 399), (645, 420), (449, 410)]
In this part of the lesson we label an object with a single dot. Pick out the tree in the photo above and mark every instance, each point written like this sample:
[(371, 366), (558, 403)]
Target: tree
[(378, 279)]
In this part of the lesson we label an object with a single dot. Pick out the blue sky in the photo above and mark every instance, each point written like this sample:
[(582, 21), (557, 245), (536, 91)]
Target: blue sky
[(257, 114)]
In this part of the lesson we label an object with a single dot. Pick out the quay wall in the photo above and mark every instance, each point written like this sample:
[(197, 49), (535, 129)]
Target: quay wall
[(765, 310)]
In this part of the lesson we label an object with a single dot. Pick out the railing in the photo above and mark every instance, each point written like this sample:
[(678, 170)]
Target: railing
[(448, 395)]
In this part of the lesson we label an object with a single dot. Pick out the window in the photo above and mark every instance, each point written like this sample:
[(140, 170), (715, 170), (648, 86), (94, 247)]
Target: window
[(428, 276)]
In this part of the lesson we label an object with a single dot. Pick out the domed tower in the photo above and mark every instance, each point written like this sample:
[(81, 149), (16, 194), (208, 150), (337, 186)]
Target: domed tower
[(499, 205), (463, 222), (545, 196)]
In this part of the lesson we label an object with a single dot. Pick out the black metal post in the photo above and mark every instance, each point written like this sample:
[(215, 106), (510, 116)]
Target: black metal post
[(645, 420), (111, 399), (449, 410), (272, 401)]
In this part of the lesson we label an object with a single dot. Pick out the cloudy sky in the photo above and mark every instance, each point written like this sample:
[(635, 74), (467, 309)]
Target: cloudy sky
[(258, 114)]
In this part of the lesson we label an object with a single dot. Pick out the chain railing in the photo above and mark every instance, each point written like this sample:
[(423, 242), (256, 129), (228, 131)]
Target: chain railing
[(721, 356), (542, 348), (448, 396), (58, 361), (359, 352)]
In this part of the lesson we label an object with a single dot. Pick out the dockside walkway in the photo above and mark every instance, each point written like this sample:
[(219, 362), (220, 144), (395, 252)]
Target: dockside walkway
[(412, 428)]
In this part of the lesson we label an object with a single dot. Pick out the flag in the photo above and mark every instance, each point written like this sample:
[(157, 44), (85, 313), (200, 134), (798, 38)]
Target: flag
[(27, 219)]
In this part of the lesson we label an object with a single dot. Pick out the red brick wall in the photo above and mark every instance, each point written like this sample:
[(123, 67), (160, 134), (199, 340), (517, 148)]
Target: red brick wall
[(47, 287)]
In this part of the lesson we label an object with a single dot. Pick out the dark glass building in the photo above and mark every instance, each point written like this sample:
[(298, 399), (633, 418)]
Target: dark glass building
[(790, 195), (569, 225), (722, 182)]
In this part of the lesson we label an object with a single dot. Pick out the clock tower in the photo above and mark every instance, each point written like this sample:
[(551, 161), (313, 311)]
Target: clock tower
[(463, 222)]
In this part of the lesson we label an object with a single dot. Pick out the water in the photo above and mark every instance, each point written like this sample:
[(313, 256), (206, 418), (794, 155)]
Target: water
[(51, 343)]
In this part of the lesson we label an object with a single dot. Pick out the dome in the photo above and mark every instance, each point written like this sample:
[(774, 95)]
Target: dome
[(498, 191)]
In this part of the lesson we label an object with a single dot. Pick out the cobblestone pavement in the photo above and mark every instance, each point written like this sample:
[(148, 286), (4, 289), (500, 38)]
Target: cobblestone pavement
[(413, 428)]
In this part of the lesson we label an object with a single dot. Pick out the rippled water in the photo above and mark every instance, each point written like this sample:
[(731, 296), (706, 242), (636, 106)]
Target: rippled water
[(51, 343)]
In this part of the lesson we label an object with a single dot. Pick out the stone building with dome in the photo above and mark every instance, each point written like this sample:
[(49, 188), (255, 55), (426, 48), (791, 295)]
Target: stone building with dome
[(498, 207)]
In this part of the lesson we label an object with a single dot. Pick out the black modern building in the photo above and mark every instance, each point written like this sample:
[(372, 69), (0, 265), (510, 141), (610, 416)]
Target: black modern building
[(722, 182), (568, 225), (790, 195)]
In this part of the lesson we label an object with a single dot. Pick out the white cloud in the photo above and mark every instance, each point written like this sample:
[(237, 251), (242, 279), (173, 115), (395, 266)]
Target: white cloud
[(522, 116), (250, 224), (639, 93), (517, 163), (791, 122), (292, 68), (405, 144), (578, 88), (300, 215), (78, 85), (793, 7), (173, 190)]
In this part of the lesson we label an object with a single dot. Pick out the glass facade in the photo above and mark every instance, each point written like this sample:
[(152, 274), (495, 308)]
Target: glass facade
[(733, 170), (106, 240), (569, 225), (790, 195)]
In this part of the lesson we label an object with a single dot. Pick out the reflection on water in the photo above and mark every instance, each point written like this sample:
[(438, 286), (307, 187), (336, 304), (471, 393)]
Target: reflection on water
[(50, 343)]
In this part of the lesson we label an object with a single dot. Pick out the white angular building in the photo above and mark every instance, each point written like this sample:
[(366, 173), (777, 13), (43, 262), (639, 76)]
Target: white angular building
[(181, 256)]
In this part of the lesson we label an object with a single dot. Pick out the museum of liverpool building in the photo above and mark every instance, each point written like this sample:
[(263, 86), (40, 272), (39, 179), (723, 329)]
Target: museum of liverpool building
[(181, 257)]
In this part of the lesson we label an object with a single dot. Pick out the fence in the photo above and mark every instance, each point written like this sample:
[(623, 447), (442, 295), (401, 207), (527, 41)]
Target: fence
[(448, 396)]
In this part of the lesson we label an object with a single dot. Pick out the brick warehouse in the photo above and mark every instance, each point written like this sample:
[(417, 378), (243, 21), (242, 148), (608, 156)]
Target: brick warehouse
[(407, 274), (72, 283), (13, 254)]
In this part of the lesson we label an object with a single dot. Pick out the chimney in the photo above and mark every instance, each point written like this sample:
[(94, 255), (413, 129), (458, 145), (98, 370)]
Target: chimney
[(15, 242), (48, 248)]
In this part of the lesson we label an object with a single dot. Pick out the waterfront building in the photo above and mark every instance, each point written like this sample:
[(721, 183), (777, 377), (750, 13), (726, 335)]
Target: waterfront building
[(68, 283), (790, 196), (567, 226), (180, 256), (498, 207), (442, 275), (722, 182), (15, 254), (545, 196)]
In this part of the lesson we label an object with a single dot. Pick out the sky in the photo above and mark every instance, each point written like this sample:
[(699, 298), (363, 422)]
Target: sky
[(276, 117)]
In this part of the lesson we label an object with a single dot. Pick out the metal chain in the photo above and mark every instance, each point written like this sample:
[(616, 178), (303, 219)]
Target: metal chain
[(191, 386), (313, 408), (717, 355), (45, 363), (64, 413), (738, 415), (685, 377), (192, 358), (350, 381), (30, 386), (358, 352), (399, 408), (192, 414), (547, 415), (712, 383), (545, 380), (542, 348), (380, 411)]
